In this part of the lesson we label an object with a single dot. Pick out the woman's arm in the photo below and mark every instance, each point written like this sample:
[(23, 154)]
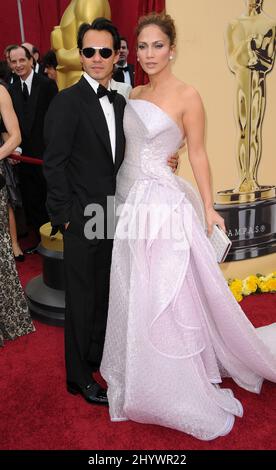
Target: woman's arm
[(11, 123), (194, 125)]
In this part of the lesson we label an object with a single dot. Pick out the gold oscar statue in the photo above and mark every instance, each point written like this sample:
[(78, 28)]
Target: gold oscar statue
[(64, 37), (249, 210), (251, 46)]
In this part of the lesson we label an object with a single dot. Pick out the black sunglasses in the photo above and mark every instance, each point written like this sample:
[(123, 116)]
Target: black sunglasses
[(105, 52)]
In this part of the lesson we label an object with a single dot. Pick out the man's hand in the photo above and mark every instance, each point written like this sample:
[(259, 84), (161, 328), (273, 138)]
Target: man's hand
[(173, 162), (59, 228)]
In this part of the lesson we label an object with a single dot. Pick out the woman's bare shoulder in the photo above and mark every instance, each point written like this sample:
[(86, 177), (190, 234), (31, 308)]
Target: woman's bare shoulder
[(187, 97), (187, 92)]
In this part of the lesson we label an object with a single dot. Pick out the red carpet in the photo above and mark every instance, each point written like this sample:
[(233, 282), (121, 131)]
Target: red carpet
[(37, 413)]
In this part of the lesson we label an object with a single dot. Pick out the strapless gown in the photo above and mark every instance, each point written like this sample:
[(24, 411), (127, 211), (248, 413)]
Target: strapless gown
[(174, 328)]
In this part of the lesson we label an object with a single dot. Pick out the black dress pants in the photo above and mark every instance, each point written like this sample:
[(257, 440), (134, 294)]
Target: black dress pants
[(87, 272), (33, 189)]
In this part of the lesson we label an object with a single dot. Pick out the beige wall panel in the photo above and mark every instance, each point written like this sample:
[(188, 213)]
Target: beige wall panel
[(201, 61)]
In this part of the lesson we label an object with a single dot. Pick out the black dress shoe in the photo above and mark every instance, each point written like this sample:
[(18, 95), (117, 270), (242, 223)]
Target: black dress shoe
[(93, 393), (20, 258), (31, 250)]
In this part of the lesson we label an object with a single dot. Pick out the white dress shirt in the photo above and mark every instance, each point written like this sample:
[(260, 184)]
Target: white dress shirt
[(28, 81), (108, 110), (122, 88)]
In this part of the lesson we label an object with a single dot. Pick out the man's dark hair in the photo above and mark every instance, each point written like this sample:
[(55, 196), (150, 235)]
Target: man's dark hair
[(49, 59), (99, 24), (36, 50), (27, 52), (122, 38)]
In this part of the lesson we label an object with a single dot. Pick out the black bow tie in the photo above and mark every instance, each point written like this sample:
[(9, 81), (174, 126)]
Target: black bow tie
[(102, 91), (125, 69)]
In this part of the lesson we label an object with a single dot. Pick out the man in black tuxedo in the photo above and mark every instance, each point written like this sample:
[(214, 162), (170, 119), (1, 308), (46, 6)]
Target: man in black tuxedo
[(124, 72), (31, 96), (84, 150)]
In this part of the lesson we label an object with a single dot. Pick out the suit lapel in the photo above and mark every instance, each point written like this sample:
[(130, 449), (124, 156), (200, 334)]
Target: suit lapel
[(96, 114), (120, 138), (32, 101), (132, 74), (26, 111), (19, 106), (119, 75)]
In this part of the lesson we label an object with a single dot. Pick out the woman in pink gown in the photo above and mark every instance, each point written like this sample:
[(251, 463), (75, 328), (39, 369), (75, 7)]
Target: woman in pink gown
[(174, 328)]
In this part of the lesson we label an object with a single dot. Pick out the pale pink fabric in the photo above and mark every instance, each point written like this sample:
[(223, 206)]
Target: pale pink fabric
[(174, 328)]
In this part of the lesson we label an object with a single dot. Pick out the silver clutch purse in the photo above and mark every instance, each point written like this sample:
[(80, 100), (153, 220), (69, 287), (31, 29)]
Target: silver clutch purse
[(220, 242)]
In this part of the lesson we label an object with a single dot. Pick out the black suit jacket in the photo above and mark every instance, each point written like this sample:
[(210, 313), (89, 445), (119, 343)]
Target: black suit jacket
[(31, 117), (78, 163), (12, 77), (119, 76)]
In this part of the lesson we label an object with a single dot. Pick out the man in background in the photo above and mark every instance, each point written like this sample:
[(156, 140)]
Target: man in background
[(124, 72), (35, 55), (49, 65), (31, 96)]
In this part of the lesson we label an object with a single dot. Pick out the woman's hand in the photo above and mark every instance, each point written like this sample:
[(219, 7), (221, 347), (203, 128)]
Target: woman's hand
[(213, 218), (12, 161), (173, 162)]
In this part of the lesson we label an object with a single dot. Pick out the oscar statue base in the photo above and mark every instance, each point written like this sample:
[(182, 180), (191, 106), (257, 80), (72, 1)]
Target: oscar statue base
[(46, 304), (251, 227), (45, 293), (230, 196)]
